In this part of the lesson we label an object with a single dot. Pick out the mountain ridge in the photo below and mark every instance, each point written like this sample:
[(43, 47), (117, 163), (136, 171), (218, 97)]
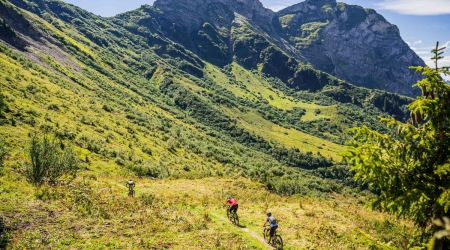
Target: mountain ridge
[(347, 41)]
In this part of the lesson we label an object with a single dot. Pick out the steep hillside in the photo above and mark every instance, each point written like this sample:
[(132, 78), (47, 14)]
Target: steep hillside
[(121, 75), (138, 103)]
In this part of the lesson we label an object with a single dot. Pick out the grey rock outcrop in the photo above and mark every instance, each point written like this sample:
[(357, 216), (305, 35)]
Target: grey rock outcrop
[(352, 43), (193, 11)]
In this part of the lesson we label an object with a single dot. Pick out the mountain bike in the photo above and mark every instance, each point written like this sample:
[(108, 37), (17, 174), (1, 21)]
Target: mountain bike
[(130, 192), (233, 217), (278, 244)]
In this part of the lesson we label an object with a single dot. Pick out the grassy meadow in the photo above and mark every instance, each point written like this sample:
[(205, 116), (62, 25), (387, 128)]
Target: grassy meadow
[(95, 213)]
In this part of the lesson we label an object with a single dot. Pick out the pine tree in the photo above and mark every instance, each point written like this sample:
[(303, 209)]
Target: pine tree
[(411, 166)]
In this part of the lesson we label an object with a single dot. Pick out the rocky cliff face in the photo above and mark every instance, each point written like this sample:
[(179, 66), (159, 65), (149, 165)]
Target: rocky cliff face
[(352, 43), (347, 41), (196, 11)]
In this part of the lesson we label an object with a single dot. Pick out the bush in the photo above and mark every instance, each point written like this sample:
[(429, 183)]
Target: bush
[(107, 108), (150, 169), (147, 199), (3, 234), (3, 152), (3, 105), (51, 162)]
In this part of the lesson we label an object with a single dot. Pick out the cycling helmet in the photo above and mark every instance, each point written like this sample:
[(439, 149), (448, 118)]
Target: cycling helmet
[(269, 214), (228, 196)]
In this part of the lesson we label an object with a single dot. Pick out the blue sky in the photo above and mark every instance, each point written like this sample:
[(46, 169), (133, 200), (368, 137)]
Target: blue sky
[(421, 22)]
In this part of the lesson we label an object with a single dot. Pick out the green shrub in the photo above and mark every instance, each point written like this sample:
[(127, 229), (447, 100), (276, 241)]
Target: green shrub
[(53, 107), (147, 199), (51, 161), (151, 169), (3, 152), (3, 106), (107, 108), (3, 234), (146, 149)]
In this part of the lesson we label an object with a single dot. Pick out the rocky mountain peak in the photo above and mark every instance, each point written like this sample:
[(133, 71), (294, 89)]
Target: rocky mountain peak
[(320, 2), (309, 6)]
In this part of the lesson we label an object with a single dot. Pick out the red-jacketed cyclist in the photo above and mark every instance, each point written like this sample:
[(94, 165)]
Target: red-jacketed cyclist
[(233, 204)]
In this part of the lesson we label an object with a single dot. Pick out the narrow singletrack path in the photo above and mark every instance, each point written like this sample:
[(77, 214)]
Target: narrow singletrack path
[(248, 231)]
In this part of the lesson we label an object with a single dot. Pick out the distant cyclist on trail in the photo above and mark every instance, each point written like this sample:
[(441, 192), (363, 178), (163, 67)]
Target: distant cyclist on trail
[(273, 226), (233, 204), (130, 186)]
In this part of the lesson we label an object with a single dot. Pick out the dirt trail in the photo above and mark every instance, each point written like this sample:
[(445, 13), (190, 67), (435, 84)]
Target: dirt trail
[(253, 234)]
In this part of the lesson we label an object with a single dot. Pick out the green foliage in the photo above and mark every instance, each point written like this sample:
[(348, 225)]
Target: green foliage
[(3, 234), (212, 46), (3, 105), (3, 152), (203, 111), (51, 161), (410, 167), (151, 169), (5, 29), (147, 198)]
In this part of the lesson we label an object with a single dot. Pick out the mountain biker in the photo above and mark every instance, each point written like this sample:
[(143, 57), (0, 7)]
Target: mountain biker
[(130, 185), (233, 204), (273, 226)]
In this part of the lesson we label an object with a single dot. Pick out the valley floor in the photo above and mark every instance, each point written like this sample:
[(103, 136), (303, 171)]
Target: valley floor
[(95, 213)]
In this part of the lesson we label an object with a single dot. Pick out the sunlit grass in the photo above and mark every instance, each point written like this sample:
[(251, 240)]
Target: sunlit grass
[(181, 214), (290, 137)]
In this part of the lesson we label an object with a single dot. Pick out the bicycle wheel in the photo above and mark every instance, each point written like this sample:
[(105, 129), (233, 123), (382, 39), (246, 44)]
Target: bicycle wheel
[(279, 242), (235, 219), (266, 236)]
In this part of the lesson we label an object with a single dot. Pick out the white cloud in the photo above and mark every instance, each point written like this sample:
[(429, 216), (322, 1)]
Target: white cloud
[(409, 44), (416, 7), (446, 45), (423, 52), (443, 62), (418, 42), (277, 7)]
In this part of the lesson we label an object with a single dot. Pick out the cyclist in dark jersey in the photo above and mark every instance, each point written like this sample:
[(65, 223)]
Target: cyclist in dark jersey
[(130, 186), (273, 226), (233, 204)]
